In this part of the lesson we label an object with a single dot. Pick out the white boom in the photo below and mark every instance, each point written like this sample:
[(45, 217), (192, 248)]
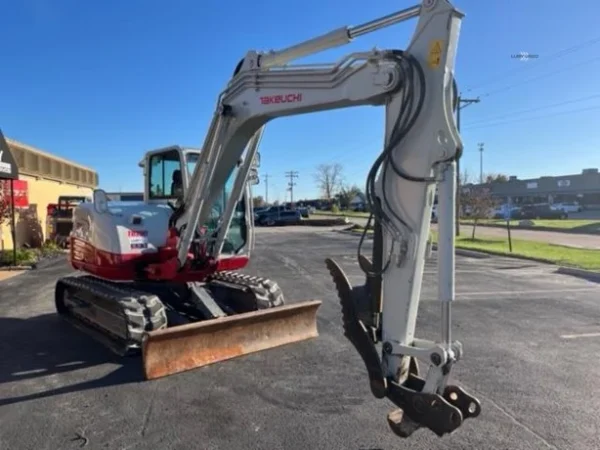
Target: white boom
[(421, 146)]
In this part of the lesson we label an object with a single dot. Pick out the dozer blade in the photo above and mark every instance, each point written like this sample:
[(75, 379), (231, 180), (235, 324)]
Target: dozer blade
[(185, 347)]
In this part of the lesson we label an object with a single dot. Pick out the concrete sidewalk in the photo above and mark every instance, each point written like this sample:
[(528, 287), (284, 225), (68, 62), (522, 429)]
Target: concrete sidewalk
[(589, 241)]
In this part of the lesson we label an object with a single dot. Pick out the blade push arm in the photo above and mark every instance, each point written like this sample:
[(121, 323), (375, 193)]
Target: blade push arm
[(421, 146)]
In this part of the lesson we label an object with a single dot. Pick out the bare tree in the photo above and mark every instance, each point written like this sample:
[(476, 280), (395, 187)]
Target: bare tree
[(478, 201), (329, 179), (465, 178)]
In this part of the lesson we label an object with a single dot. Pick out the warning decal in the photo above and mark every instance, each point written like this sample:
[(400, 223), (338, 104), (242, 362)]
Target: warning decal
[(435, 54), (138, 239)]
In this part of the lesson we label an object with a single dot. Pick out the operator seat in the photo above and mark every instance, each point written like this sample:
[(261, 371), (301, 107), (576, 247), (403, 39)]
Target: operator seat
[(177, 183)]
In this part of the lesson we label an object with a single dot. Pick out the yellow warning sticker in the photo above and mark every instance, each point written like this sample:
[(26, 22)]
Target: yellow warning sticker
[(435, 54)]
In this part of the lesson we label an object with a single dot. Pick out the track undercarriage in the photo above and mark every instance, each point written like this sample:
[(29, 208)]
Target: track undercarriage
[(193, 324)]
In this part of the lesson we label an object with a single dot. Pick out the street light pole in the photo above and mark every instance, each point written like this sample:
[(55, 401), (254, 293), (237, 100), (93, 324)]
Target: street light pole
[(462, 103), (480, 162)]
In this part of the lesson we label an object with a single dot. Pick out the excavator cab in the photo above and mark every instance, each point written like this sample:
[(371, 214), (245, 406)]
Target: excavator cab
[(168, 172)]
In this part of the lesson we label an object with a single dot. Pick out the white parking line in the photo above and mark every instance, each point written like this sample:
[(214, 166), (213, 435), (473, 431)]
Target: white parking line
[(512, 273), (527, 291), (359, 278), (581, 335)]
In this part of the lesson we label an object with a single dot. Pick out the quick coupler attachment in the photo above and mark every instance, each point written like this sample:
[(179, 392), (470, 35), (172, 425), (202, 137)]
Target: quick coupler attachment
[(442, 414)]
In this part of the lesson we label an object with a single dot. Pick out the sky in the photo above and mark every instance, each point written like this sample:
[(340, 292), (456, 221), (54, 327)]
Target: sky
[(101, 83)]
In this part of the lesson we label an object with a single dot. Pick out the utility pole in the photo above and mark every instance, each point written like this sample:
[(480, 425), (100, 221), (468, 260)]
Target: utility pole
[(266, 188), (291, 175), (462, 103), (480, 162)]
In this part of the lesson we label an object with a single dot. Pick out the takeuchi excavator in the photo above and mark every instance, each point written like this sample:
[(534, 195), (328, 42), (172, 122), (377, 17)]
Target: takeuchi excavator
[(163, 277)]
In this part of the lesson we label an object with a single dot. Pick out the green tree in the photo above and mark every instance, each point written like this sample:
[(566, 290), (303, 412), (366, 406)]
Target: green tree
[(495, 178), (258, 201), (347, 194)]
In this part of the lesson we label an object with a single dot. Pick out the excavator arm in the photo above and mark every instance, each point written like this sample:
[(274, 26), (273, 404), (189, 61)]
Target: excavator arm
[(421, 146)]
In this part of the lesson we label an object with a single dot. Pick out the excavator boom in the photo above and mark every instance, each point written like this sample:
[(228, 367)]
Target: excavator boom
[(181, 299), (416, 87)]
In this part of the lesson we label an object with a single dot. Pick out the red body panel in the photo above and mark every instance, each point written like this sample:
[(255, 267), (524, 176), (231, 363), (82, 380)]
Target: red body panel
[(161, 265)]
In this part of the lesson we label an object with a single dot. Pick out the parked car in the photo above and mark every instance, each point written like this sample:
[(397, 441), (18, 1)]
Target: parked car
[(303, 211), (434, 213), (502, 211), (568, 207), (277, 217), (541, 211), (270, 210)]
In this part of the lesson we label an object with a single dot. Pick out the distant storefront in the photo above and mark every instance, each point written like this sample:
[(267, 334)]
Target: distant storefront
[(583, 188), (43, 177)]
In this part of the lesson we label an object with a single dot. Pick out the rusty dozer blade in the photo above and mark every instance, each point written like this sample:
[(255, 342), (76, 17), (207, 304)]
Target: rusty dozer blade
[(190, 346)]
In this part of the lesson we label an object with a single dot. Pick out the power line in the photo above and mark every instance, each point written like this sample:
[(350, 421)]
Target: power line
[(561, 113), (539, 108), (539, 77), (550, 58), (291, 175), (343, 153)]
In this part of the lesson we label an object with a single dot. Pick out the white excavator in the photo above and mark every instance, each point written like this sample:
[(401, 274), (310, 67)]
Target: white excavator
[(163, 278)]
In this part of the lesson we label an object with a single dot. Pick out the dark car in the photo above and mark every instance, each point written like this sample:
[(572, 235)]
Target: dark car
[(277, 217), (304, 212), (543, 211)]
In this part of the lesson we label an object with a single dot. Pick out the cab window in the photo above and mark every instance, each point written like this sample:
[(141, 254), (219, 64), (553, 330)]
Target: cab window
[(235, 239), (165, 175)]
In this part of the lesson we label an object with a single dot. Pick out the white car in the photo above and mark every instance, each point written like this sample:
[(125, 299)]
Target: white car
[(502, 211), (569, 207)]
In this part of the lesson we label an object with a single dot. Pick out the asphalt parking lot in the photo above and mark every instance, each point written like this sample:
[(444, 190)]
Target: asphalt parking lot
[(531, 340)]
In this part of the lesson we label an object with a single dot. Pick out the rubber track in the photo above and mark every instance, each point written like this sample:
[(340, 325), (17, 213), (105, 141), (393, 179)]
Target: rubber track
[(137, 311), (267, 293)]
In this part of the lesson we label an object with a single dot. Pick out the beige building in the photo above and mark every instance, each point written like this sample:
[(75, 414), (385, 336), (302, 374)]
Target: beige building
[(48, 177)]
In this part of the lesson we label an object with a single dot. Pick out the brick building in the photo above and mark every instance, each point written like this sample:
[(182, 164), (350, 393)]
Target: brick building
[(583, 188)]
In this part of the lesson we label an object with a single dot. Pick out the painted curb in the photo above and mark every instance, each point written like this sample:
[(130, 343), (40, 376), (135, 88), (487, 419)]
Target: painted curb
[(589, 275), (323, 223), (468, 253), (18, 268), (534, 228), (355, 233)]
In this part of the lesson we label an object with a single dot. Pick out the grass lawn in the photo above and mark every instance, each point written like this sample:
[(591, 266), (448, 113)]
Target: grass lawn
[(567, 224), (557, 254), (580, 225)]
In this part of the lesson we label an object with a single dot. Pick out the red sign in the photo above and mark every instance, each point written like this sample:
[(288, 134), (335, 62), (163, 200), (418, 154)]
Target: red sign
[(137, 233), (21, 190)]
